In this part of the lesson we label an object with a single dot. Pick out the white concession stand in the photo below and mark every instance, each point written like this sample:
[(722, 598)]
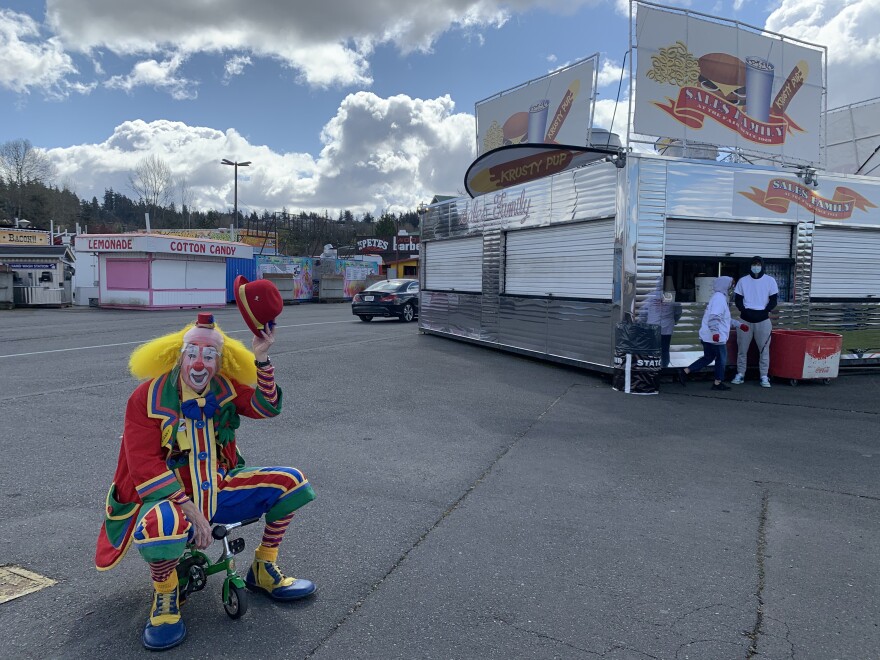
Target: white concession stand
[(152, 271)]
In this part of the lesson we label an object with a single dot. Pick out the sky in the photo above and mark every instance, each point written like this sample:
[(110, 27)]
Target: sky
[(365, 105)]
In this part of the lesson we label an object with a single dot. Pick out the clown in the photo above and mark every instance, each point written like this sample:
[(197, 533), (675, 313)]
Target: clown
[(180, 470)]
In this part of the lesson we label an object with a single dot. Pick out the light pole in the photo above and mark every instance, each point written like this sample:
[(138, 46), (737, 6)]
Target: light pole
[(236, 165)]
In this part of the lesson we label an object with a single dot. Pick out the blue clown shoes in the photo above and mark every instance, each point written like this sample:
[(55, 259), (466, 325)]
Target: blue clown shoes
[(265, 576), (165, 629)]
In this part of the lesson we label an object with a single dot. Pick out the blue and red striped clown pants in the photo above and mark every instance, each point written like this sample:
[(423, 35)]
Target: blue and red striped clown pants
[(163, 531)]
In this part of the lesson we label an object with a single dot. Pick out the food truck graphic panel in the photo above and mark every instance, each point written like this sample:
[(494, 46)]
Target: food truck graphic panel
[(718, 83), (553, 109)]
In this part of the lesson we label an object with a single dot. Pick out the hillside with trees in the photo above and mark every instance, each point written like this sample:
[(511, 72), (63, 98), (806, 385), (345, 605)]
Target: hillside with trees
[(28, 192)]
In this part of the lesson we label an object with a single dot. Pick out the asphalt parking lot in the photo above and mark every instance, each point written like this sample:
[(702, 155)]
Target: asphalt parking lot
[(470, 503)]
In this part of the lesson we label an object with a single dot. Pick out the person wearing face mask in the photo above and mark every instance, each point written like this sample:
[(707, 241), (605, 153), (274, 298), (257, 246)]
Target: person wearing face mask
[(180, 469), (755, 297), (714, 331)]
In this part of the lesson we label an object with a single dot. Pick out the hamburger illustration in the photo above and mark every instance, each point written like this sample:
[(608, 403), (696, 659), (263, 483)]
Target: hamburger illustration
[(725, 76), (515, 128)]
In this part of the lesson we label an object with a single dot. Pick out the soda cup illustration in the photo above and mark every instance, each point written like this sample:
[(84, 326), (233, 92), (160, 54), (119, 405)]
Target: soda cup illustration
[(759, 88), (538, 121)]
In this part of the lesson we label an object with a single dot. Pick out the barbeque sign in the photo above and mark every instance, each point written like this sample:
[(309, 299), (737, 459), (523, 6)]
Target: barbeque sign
[(722, 84)]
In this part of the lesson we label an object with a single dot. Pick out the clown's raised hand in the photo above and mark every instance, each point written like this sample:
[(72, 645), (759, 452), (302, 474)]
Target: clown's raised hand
[(263, 342)]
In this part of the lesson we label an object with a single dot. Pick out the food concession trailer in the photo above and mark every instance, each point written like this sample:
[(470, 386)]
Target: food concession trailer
[(154, 271), (548, 268)]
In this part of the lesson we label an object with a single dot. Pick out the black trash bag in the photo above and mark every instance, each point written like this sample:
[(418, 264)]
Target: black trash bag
[(637, 358)]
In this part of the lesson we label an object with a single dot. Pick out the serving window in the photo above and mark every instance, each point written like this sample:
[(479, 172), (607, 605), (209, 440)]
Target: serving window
[(845, 263), (684, 272), (454, 265), (707, 248), (565, 261)]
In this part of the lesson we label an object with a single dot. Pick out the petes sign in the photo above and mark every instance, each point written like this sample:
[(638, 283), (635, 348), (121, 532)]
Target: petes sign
[(389, 246)]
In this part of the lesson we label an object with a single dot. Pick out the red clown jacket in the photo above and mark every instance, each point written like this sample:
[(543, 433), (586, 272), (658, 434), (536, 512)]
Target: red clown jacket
[(155, 462)]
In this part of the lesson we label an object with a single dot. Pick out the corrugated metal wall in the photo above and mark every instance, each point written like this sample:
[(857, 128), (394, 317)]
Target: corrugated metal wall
[(236, 267), (566, 330)]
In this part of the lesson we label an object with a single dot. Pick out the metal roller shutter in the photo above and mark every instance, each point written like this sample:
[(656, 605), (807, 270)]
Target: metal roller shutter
[(454, 265), (705, 238), (568, 261), (845, 263)]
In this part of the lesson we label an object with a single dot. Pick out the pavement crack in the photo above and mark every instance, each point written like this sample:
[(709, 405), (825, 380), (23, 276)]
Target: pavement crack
[(758, 628), (449, 510), (787, 635), (551, 638), (821, 490)]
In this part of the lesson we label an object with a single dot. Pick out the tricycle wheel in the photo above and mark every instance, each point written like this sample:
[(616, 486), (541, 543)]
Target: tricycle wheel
[(793, 382), (826, 381), (236, 603)]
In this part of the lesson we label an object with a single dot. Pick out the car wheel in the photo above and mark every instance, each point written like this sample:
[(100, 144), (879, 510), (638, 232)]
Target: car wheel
[(366, 318), (408, 314)]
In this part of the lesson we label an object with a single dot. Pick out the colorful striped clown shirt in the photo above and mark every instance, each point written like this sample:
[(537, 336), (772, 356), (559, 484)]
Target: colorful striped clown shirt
[(166, 455)]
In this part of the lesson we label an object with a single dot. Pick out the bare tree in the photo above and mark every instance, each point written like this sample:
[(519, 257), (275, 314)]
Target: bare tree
[(22, 165), (151, 181), (185, 194)]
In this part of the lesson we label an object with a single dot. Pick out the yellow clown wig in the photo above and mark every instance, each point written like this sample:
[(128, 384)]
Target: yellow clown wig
[(160, 355)]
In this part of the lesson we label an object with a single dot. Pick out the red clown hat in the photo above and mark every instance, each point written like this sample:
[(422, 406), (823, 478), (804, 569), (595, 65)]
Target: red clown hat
[(259, 302)]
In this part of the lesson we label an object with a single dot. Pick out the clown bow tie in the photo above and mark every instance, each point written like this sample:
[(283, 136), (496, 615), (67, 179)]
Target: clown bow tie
[(192, 408)]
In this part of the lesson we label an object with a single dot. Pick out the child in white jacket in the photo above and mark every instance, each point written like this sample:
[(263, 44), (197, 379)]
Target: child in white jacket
[(714, 332)]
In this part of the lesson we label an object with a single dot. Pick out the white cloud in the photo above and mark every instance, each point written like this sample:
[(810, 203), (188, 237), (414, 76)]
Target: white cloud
[(394, 152), (851, 31), (327, 43), (609, 73), (235, 66), (378, 154), (623, 5), (25, 64), (159, 75)]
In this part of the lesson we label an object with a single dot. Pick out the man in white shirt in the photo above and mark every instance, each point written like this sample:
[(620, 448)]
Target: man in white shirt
[(755, 297)]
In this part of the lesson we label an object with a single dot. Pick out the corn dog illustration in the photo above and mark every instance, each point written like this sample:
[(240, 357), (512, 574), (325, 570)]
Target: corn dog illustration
[(562, 111), (792, 84)]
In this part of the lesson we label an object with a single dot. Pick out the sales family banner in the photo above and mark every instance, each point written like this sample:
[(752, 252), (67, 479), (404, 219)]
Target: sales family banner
[(842, 201), (554, 109), (720, 84)]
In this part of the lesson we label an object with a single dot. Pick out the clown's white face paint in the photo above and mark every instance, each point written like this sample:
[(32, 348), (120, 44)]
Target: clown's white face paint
[(198, 365)]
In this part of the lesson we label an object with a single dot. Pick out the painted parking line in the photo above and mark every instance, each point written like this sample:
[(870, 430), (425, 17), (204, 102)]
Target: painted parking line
[(142, 341)]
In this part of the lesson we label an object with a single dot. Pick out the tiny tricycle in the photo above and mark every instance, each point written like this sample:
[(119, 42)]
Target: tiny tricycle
[(195, 567)]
